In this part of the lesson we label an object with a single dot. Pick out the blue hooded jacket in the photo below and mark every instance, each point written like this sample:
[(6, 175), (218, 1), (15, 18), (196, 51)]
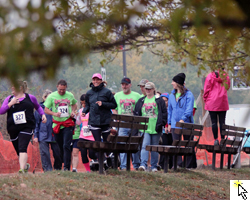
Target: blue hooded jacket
[(43, 131), (181, 109)]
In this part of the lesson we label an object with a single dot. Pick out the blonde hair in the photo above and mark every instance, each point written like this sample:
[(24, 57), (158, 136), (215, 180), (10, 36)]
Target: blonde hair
[(23, 85), (46, 93)]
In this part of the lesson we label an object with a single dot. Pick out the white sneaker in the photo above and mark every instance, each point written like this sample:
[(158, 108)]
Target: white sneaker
[(154, 170), (142, 168)]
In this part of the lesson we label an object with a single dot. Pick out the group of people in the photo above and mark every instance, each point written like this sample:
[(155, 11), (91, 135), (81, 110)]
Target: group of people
[(58, 124)]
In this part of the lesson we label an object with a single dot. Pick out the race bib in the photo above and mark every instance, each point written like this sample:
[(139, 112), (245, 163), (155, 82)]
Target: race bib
[(86, 131), (64, 110), (19, 117)]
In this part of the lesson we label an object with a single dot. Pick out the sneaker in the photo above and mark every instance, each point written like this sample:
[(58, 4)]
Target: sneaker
[(74, 170), (22, 171), (27, 166), (154, 170), (142, 168), (158, 168), (94, 161), (216, 142)]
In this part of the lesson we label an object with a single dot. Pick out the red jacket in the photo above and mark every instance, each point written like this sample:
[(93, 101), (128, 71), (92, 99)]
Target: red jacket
[(215, 94), (68, 123)]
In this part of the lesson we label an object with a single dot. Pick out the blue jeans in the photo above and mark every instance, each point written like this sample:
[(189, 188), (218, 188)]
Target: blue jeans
[(150, 139), (64, 139), (123, 156), (45, 155)]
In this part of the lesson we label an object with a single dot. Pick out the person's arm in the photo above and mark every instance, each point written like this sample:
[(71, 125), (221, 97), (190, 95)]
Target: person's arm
[(74, 107), (164, 112), (37, 128), (6, 104), (207, 87), (38, 108), (189, 107), (170, 109), (87, 105), (228, 82), (111, 103)]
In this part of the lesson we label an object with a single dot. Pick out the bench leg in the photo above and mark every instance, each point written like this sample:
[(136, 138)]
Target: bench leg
[(221, 160), (175, 162), (101, 159), (185, 162), (116, 160), (229, 161), (165, 163), (213, 161), (128, 161)]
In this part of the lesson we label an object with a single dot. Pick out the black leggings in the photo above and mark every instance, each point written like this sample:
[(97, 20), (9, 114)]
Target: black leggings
[(214, 119), (84, 153), (20, 140)]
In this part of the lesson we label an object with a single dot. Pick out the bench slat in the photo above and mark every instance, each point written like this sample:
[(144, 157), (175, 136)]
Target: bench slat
[(234, 128), (218, 149), (169, 149), (129, 118), (133, 139), (189, 125), (128, 125), (187, 132), (230, 142), (232, 133), (184, 143)]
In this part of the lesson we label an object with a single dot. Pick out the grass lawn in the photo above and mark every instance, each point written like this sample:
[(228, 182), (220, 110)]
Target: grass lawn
[(183, 184)]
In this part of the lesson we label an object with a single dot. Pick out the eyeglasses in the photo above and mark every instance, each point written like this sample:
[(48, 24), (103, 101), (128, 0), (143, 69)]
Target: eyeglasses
[(148, 88)]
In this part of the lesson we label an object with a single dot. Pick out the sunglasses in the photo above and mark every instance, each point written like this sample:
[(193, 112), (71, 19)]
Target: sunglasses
[(148, 88)]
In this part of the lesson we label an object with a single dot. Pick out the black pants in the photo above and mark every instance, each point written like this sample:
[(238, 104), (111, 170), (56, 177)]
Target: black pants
[(214, 118), (166, 140), (191, 160)]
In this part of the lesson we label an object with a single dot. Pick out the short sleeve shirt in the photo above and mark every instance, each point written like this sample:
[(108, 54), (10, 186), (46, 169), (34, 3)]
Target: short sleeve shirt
[(60, 103), (126, 103)]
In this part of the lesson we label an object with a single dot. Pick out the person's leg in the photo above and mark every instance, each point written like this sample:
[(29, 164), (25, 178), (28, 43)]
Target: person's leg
[(123, 156), (67, 139), (59, 141), (14, 140), (176, 137), (75, 155), (154, 155), (191, 160), (45, 156), (222, 119), (57, 156), (85, 159), (213, 116), (23, 142), (144, 152)]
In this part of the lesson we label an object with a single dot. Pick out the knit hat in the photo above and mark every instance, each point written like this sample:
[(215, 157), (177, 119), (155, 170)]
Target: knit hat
[(179, 78), (165, 95)]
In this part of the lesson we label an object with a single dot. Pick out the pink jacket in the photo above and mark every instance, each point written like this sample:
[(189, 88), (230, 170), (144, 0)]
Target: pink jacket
[(215, 94)]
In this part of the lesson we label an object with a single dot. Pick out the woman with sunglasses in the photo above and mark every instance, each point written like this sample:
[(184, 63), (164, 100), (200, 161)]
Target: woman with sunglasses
[(180, 109), (154, 108)]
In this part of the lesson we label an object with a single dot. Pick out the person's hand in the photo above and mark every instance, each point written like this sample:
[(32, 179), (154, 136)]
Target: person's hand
[(72, 114), (169, 128), (99, 103), (13, 101), (182, 121), (166, 130), (44, 119), (58, 114), (83, 114), (35, 140)]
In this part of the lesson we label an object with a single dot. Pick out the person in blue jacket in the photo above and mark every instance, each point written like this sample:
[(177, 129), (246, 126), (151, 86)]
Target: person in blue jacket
[(43, 135), (180, 109)]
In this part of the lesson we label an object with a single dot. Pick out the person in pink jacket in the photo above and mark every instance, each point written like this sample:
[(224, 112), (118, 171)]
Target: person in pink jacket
[(216, 100)]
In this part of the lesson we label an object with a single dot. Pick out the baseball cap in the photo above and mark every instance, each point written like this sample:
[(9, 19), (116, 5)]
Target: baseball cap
[(149, 85), (142, 82), (97, 75), (126, 80), (165, 95)]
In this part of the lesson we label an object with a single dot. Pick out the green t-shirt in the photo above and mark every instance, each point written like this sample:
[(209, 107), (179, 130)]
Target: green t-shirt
[(77, 132), (150, 109), (126, 103), (60, 103)]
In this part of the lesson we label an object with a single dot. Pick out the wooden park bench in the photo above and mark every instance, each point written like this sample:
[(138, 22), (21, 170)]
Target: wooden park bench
[(119, 144), (179, 147), (231, 145)]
